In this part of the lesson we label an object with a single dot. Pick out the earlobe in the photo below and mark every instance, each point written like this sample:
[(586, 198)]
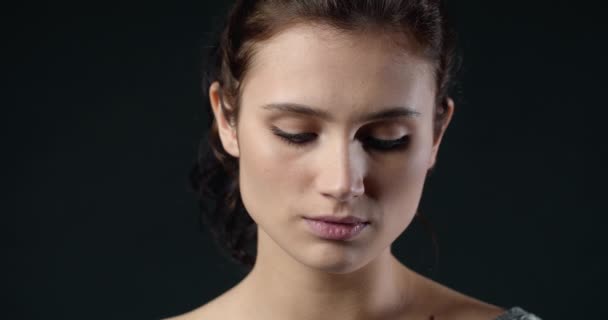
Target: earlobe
[(447, 114), (226, 130)]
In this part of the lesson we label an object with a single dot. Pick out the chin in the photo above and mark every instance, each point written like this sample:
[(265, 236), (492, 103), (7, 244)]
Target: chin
[(332, 258)]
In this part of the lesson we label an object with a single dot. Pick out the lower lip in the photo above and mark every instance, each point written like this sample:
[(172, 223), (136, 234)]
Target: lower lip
[(334, 231)]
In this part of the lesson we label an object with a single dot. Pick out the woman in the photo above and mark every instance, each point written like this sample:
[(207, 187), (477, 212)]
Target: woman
[(328, 116)]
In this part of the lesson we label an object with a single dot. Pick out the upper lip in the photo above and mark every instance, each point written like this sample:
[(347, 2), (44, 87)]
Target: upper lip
[(336, 219)]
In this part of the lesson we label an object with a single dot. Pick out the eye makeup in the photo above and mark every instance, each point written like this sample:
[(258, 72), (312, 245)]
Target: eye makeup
[(300, 140)]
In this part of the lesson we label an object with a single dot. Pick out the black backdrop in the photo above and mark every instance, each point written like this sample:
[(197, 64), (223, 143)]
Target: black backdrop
[(103, 113)]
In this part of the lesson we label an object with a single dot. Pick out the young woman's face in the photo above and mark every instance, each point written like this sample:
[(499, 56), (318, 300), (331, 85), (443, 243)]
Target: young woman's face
[(335, 166)]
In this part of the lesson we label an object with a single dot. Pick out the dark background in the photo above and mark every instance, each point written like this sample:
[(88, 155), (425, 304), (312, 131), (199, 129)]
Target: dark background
[(102, 114)]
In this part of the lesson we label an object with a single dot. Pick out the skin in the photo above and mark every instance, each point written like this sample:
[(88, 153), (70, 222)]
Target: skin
[(298, 275)]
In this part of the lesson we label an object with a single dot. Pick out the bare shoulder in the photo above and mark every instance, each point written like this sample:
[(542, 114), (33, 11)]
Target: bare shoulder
[(449, 304), (433, 301), (203, 312), (214, 309)]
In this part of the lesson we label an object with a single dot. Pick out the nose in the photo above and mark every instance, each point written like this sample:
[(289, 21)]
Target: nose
[(342, 171)]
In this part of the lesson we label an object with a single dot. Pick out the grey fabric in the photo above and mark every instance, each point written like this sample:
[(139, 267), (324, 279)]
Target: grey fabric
[(517, 313)]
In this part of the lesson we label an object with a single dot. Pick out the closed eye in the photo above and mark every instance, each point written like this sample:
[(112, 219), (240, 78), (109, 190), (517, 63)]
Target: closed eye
[(300, 140)]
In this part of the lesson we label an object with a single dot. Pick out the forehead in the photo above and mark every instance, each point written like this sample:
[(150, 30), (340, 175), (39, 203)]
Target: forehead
[(320, 66)]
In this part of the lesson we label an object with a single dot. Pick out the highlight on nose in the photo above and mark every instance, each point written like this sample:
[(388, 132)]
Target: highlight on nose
[(342, 175)]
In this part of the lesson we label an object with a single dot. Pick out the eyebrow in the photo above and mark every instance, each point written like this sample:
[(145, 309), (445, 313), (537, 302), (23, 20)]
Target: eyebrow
[(386, 113)]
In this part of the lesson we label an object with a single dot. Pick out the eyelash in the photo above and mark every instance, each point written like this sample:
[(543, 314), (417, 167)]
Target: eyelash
[(299, 140)]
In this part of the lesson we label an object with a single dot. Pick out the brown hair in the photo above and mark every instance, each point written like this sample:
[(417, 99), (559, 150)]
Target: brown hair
[(250, 22)]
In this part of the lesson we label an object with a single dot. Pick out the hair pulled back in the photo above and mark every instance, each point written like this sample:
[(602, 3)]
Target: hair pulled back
[(215, 174)]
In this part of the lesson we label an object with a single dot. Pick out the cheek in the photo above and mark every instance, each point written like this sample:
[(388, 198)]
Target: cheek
[(399, 184), (267, 175)]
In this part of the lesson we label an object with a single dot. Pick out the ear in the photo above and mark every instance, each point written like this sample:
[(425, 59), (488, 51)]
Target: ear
[(449, 111), (226, 130)]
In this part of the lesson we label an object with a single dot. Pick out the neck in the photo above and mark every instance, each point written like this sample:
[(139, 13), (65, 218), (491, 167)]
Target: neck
[(279, 287)]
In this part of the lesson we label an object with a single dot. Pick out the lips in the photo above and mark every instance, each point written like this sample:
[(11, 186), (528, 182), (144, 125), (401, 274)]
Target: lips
[(342, 220), (336, 228)]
